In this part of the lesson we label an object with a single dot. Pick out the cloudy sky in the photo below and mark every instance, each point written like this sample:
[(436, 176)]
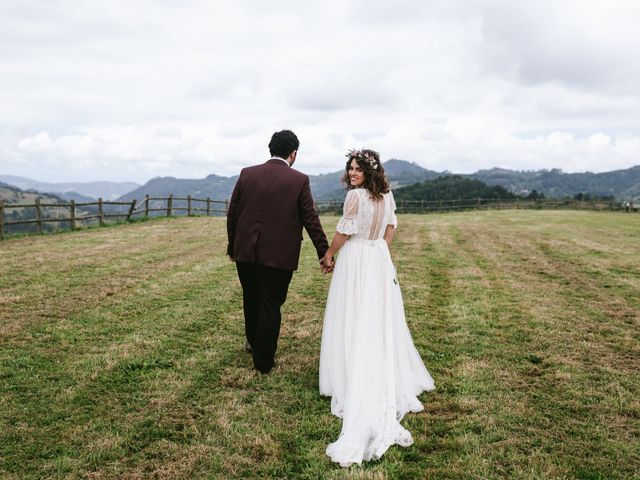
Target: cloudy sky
[(130, 90)]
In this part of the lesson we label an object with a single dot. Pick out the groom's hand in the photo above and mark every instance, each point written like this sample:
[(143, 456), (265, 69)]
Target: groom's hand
[(327, 264), (323, 268)]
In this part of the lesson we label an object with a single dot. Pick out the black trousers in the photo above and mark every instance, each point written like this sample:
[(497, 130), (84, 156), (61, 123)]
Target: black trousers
[(264, 291)]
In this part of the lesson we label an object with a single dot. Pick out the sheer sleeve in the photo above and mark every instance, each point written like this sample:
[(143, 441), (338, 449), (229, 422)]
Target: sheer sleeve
[(391, 217), (348, 223)]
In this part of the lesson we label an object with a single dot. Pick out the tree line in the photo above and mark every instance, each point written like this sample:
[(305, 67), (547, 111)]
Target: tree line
[(457, 187)]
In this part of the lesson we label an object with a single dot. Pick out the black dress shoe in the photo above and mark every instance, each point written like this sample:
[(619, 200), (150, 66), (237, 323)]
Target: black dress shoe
[(247, 346)]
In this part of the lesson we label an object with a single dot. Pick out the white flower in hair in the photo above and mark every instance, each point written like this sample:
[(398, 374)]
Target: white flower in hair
[(365, 156)]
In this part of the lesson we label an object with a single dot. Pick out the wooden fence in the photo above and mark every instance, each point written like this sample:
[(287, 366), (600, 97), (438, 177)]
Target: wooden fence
[(206, 206), (458, 205), (128, 211)]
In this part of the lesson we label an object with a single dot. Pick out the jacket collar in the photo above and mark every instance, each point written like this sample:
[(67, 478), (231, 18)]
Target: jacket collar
[(279, 161)]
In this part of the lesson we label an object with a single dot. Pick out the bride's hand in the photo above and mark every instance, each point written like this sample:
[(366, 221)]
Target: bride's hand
[(327, 263)]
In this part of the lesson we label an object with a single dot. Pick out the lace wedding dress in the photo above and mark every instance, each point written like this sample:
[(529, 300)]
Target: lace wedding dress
[(368, 363)]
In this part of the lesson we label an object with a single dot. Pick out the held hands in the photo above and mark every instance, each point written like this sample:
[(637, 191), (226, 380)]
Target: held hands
[(327, 264)]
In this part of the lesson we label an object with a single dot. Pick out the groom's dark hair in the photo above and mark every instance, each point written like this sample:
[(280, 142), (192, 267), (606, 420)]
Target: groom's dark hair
[(283, 143)]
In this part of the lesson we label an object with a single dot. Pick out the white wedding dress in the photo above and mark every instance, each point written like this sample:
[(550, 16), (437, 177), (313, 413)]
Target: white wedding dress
[(368, 363)]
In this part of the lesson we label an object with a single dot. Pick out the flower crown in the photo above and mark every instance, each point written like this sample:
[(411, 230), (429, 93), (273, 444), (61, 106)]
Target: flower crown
[(365, 156)]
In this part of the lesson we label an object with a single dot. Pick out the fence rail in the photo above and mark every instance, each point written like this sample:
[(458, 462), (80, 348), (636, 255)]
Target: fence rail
[(106, 210), (148, 205), (431, 206)]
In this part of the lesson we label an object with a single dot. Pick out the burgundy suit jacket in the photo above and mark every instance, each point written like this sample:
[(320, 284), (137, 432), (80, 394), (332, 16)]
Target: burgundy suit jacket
[(269, 206)]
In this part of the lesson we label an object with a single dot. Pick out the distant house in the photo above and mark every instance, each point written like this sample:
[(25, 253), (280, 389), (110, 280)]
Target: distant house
[(631, 205)]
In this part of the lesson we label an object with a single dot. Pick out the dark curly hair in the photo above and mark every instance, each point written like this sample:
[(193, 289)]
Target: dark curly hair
[(283, 143), (375, 180)]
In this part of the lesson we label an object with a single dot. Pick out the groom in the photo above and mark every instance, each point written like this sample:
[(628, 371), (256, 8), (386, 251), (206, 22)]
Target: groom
[(269, 206)]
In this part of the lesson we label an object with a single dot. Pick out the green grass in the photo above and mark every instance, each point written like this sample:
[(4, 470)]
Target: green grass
[(121, 354)]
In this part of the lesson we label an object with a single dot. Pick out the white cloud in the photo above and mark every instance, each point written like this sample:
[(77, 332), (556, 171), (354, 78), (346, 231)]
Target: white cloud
[(133, 90)]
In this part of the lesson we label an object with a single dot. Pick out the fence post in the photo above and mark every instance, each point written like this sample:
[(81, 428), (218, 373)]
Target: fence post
[(131, 208), (188, 205), (100, 212), (39, 215), (208, 206), (1, 219), (72, 208), (169, 205), (226, 206), (146, 206)]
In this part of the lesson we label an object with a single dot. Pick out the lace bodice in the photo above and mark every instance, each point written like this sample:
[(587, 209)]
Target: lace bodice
[(366, 218)]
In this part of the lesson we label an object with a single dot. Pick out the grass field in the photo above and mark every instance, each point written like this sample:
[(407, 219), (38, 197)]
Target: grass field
[(121, 354)]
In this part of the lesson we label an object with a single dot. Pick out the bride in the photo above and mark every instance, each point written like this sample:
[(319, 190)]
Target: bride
[(368, 363)]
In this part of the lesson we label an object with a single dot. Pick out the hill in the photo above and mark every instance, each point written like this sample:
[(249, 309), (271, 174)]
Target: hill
[(324, 187), (401, 173), (213, 186), (453, 187), (80, 191), (16, 196), (78, 197), (329, 186), (123, 354), (622, 184)]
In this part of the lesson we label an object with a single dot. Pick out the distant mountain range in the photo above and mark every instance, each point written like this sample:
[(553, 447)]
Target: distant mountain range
[(325, 187), (78, 191), (329, 186), (212, 186), (622, 184), (14, 195)]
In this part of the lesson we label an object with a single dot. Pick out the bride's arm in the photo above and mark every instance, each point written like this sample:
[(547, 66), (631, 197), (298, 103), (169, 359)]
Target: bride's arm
[(336, 244), (388, 234), (347, 226)]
